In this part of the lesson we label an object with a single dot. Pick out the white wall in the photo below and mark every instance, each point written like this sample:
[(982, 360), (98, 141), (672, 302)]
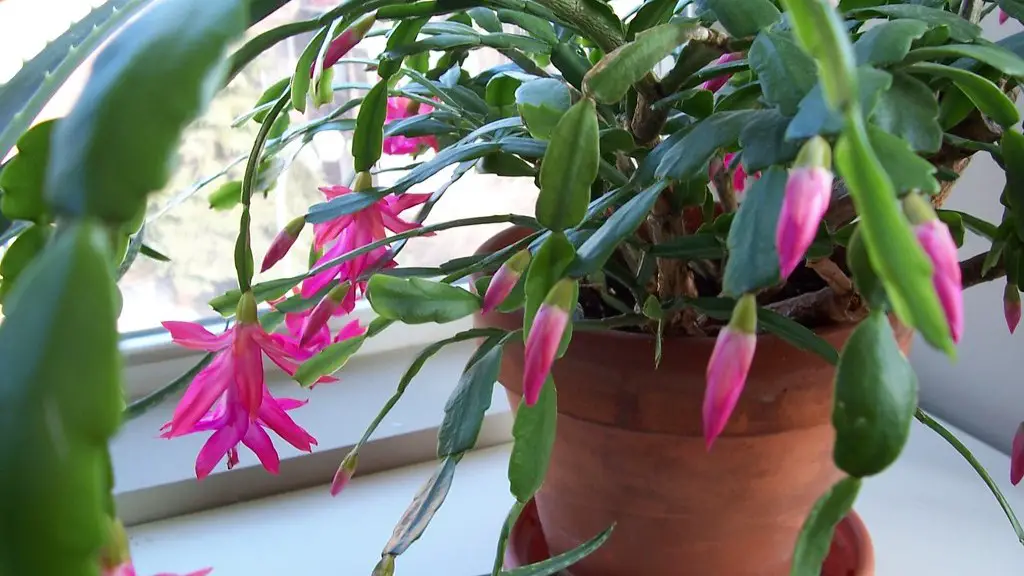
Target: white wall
[(982, 392)]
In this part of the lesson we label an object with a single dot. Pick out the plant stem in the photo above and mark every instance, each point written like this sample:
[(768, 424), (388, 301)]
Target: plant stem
[(955, 442), (140, 406), (243, 248)]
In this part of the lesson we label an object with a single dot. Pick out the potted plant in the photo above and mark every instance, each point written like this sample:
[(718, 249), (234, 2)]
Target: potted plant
[(702, 328)]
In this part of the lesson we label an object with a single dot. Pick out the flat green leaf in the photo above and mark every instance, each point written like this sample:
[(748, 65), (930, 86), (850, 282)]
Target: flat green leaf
[(20, 255), (422, 508), (892, 248), (652, 13), (548, 266), (464, 411), (508, 165), (692, 247), (959, 29), (908, 109), (485, 18), (501, 93), (907, 170), (595, 251), (159, 73), (25, 95), (327, 361), (815, 117), (742, 18), (980, 227), (786, 73), (955, 223), (506, 529), (764, 143), (609, 80), (569, 168), (753, 260), (864, 276), (535, 26), (822, 33), (688, 156), (876, 395), (340, 206), (60, 404), (556, 564), (1012, 145), (419, 301), (153, 254), (300, 78), (815, 537), (992, 54), (226, 196), (404, 33), (369, 133), (796, 334), (986, 96), (533, 436), (22, 178), (888, 42), (542, 103)]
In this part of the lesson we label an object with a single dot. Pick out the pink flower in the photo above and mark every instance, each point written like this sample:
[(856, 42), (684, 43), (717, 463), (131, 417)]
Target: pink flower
[(1003, 16), (940, 247), (716, 84), (1011, 307), (728, 367), (1017, 456), (739, 176), (344, 473), (398, 108), (808, 191), (505, 280), (283, 242), (127, 569), (352, 231), (345, 42), (329, 306), (234, 382), (545, 337), (295, 324)]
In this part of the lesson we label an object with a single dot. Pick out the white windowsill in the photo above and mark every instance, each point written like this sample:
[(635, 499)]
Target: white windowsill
[(928, 514)]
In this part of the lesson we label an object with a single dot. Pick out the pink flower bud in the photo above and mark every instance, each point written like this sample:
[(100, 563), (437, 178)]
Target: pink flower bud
[(716, 84), (545, 337), (283, 242), (347, 40), (1011, 307), (940, 247), (728, 367), (808, 192), (1003, 16), (505, 280), (1017, 456), (323, 312), (344, 473)]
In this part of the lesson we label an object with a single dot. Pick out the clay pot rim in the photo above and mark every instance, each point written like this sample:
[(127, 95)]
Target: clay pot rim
[(498, 241)]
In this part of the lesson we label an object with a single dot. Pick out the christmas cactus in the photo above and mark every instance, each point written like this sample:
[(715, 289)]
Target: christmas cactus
[(715, 168)]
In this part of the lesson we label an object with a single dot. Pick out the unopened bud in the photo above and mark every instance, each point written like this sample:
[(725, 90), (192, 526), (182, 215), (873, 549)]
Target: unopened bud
[(320, 315), (283, 242), (345, 472), (505, 280), (386, 566), (1011, 306)]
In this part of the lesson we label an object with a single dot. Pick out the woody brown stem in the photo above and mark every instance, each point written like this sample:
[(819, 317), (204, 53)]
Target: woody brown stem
[(970, 270)]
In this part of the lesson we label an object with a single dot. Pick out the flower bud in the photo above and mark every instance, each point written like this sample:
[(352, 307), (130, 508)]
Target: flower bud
[(1003, 16), (545, 338), (386, 566), (728, 367), (807, 196), (283, 242), (1017, 456), (345, 41), (938, 244), (716, 84), (323, 311), (505, 280), (1011, 306), (345, 472)]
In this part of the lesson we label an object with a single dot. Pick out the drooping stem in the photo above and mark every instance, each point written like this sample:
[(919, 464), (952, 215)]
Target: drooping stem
[(243, 245), (959, 446)]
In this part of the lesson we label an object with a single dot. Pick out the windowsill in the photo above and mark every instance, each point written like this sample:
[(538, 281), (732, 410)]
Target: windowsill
[(928, 514), (155, 477)]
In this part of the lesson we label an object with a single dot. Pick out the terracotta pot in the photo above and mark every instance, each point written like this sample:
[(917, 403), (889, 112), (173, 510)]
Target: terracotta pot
[(629, 450)]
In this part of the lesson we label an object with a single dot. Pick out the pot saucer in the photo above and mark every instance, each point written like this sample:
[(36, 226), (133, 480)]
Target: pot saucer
[(851, 553)]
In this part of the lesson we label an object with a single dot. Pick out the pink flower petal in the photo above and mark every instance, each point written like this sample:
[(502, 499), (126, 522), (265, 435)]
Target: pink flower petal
[(277, 420), (808, 192), (204, 390), (195, 336), (257, 440), (249, 368), (1017, 456), (216, 447), (938, 244)]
